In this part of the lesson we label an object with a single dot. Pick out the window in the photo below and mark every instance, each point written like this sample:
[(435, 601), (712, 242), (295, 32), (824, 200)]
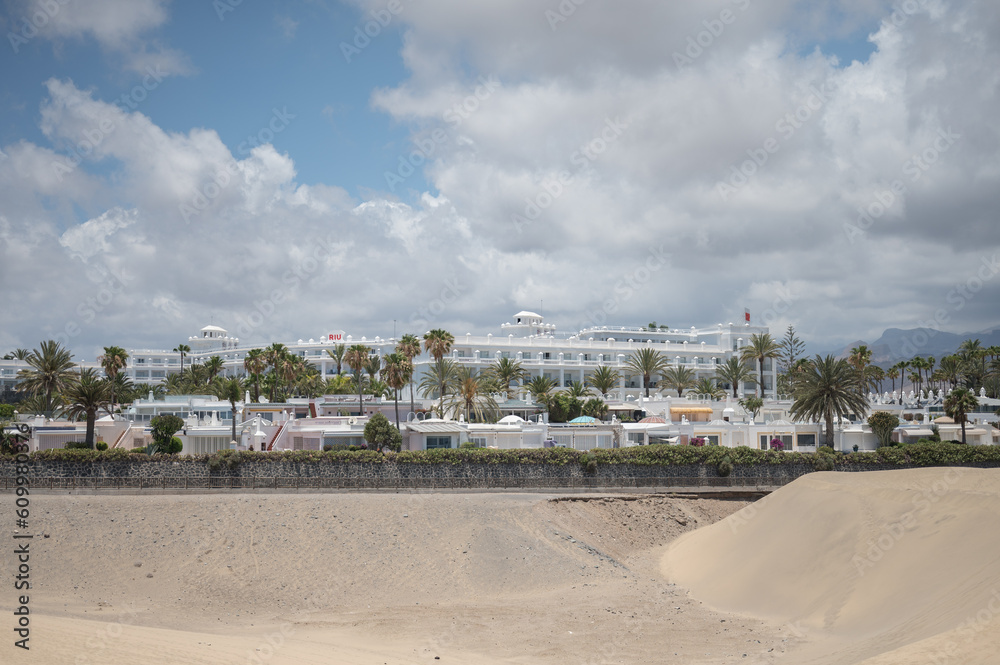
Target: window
[(712, 439), (807, 439), (765, 441), (438, 442), (480, 441)]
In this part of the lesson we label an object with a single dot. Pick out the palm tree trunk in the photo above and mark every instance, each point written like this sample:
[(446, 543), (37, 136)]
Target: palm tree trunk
[(963, 429), (395, 395), (92, 423), (761, 359), (361, 406), (829, 428)]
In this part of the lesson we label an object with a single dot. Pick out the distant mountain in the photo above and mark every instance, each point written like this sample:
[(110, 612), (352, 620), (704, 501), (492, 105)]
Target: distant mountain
[(896, 344)]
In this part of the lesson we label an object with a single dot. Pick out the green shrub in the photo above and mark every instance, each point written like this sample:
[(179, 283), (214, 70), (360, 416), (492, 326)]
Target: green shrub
[(588, 462), (467, 445), (6, 412), (101, 445), (725, 467), (883, 423), (214, 463), (380, 433), (76, 445)]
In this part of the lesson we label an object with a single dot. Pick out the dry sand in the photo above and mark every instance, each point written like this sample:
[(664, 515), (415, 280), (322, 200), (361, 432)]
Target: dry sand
[(880, 567), (518, 578), (372, 578)]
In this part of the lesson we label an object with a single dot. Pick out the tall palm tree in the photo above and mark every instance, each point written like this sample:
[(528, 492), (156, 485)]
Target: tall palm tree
[(647, 362), (734, 372), (505, 371), (357, 359), (440, 376), (828, 388), (338, 355), (255, 362), (950, 368), (577, 390), (231, 390), (892, 375), (973, 357), (85, 396), (409, 346), (708, 386), (470, 396), (213, 366), (182, 349), (679, 378), (958, 404), (373, 367), (339, 385), (114, 360), (438, 343), (396, 370), (901, 367), (874, 375), (17, 354), (51, 371), (604, 379), (860, 357), (275, 356), (760, 347)]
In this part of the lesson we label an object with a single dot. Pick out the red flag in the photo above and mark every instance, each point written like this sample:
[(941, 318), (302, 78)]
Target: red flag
[(746, 314)]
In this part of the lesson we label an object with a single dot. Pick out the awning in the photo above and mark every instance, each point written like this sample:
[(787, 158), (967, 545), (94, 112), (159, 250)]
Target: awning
[(917, 432), (691, 409)]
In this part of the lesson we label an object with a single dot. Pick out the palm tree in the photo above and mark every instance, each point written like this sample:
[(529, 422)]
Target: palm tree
[(275, 356), (114, 360), (373, 367), (734, 372), (958, 404), (950, 368), (679, 378), (901, 367), (51, 371), (438, 343), (708, 386), (213, 366), (470, 396), (231, 390), (860, 357), (828, 388), (577, 390), (143, 389), (357, 359), (18, 354), (892, 375), (338, 355), (182, 349), (604, 379), (540, 388), (760, 347), (647, 362), (339, 385), (440, 376), (409, 346), (85, 396), (973, 357), (396, 369), (505, 371), (255, 363), (874, 375)]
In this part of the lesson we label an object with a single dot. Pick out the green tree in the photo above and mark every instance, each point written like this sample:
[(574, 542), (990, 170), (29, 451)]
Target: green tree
[(113, 360), (255, 362), (471, 397), (357, 359), (50, 371), (379, 433), (85, 396), (540, 388), (439, 377), (734, 372), (760, 347), (791, 349), (409, 346), (505, 371), (595, 407), (164, 427), (577, 390), (679, 378), (563, 407), (829, 388), (958, 404), (604, 379), (752, 405), (397, 369), (182, 349), (647, 362), (883, 424), (214, 366), (231, 390), (438, 343), (337, 354), (708, 386)]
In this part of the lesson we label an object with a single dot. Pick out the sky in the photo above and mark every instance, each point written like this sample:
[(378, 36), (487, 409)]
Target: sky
[(287, 169)]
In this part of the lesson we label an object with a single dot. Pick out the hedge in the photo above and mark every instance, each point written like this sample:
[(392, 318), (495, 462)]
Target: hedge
[(919, 454)]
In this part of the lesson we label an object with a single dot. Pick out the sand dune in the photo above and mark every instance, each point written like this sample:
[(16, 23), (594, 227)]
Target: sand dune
[(880, 567), (373, 578)]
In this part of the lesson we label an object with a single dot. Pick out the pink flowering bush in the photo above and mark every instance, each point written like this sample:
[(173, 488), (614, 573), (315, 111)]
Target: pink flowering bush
[(776, 444)]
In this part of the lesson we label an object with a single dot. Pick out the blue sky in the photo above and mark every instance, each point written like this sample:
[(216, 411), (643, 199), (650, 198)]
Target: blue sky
[(799, 164)]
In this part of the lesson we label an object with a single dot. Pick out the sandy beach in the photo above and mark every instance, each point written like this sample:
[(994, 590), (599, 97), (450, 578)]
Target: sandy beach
[(520, 578)]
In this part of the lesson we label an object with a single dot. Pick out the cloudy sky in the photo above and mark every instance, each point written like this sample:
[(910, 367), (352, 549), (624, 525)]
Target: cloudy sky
[(288, 168)]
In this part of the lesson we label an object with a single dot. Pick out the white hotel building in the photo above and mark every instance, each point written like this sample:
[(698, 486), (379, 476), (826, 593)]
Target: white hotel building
[(527, 339)]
